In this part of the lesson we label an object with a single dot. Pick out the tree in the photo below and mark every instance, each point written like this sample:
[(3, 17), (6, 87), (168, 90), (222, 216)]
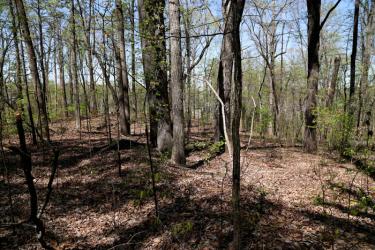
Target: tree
[(313, 30), (353, 57), (178, 149), (74, 66), (230, 61), (22, 17), (152, 29), (132, 43), (368, 46), (333, 82), (121, 70), (60, 59)]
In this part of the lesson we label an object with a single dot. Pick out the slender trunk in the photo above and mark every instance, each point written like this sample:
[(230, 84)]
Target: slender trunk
[(33, 66), (93, 99), (189, 71), (132, 43), (231, 63), (74, 69), (60, 60), (352, 61), (121, 70), (23, 151), (29, 109), (178, 149), (333, 82)]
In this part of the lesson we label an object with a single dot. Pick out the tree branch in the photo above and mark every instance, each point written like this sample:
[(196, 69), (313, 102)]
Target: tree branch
[(329, 13)]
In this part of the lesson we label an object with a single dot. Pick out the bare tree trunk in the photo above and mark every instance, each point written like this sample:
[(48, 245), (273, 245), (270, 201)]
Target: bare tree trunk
[(187, 27), (178, 149), (23, 151), (74, 69), (43, 70), (231, 62), (70, 73), (333, 82), (313, 9), (368, 46), (93, 100), (218, 121), (132, 43), (33, 65), (313, 29), (29, 109), (151, 16), (60, 58), (121, 70), (353, 64)]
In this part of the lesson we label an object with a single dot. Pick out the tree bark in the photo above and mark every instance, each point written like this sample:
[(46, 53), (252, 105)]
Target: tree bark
[(29, 108), (178, 149), (353, 62), (313, 9), (333, 82), (151, 16), (74, 69), (132, 43), (121, 70), (368, 47), (33, 66), (231, 62), (60, 58)]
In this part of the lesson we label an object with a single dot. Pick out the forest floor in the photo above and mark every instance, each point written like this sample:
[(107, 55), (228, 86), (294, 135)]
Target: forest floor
[(289, 199)]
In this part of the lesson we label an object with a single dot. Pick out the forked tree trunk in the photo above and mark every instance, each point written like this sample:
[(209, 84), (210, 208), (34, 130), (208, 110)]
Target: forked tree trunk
[(231, 62)]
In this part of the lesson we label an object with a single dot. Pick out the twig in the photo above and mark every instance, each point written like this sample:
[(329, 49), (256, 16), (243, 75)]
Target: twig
[(54, 164), (252, 124)]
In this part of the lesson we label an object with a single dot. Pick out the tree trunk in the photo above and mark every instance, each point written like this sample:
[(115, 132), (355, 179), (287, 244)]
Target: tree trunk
[(44, 71), (60, 58), (29, 109), (231, 62), (75, 70), (151, 16), (121, 70), (33, 66), (219, 126), (187, 27), (333, 83), (368, 46), (132, 39), (353, 63), (313, 9), (93, 100), (178, 149)]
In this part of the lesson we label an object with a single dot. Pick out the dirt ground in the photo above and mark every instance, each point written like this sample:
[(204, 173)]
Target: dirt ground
[(290, 199)]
